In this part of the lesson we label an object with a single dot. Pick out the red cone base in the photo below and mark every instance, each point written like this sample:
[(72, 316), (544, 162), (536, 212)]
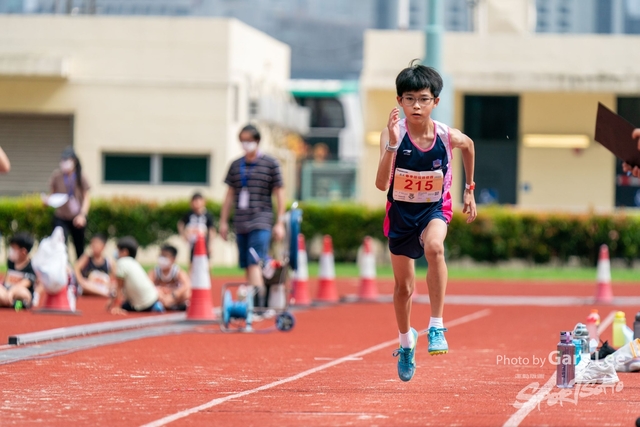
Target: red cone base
[(300, 293), (200, 307), (327, 291), (604, 293), (56, 303), (368, 289)]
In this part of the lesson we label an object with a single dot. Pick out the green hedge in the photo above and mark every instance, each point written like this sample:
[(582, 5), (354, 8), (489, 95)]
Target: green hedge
[(148, 222), (497, 234)]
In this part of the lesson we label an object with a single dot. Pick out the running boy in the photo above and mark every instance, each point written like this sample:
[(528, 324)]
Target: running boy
[(19, 282), (172, 283), (94, 271), (134, 286), (415, 169)]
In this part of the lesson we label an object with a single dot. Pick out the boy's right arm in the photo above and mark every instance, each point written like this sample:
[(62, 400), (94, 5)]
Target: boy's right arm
[(391, 136)]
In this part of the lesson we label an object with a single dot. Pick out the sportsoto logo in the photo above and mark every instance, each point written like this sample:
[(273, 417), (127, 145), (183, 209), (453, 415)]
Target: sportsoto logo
[(565, 395)]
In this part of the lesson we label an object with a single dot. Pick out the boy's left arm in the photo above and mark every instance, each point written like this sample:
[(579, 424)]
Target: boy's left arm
[(27, 281), (465, 144)]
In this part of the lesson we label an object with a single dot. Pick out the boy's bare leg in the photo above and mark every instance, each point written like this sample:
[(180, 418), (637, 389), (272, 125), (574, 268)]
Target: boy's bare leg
[(433, 237), (90, 288), (5, 298), (20, 293), (182, 295), (404, 275)]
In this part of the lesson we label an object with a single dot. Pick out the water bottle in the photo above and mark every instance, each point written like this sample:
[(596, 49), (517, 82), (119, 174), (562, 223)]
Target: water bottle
[(577, 355), (636, 327), (593, 321), (581, 334), (619, 322), (566, 369)]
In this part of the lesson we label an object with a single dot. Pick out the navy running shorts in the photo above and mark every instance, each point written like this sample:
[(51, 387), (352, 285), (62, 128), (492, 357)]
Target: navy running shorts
[(411, 245)]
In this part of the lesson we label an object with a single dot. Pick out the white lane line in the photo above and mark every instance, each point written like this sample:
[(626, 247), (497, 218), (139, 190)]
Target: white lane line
[(521, 414), (182, 414), (333, 358)]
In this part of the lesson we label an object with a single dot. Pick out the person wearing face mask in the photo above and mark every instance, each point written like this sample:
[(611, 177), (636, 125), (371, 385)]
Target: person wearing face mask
[(19, 282), (72, 215), (172, 282), (252, 181)]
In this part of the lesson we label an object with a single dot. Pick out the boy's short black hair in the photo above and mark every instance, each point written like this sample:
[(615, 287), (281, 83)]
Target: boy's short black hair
[(23, 240), (255, 134), (170, 249), (197, 195), (418, 77), (100, 237), (130, 244)]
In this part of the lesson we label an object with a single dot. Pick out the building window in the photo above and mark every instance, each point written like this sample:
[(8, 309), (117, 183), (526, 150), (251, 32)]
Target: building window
[(155, 169), (325, 112), (185, 169), (134, 168)]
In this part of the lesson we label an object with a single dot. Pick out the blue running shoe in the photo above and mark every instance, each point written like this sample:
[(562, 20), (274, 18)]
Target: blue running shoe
[(437, 342), (407, 360)]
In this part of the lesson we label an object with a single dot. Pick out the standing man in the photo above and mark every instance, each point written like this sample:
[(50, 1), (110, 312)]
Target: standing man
[(253, 179)]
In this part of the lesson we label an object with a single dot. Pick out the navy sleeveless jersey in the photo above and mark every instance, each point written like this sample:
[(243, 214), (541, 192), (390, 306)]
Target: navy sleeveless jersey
[(406, 217)]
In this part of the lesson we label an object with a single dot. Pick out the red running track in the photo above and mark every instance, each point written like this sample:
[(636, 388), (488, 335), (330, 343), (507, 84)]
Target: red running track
[(139, 382)]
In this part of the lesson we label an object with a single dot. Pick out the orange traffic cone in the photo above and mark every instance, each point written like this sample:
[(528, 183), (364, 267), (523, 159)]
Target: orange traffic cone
[(327, 291), (604, 293), (62, 302), (368, 289), (300, 291), (200, 307)]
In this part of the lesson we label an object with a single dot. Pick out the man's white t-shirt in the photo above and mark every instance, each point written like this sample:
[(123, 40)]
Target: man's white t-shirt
[(139, 290)]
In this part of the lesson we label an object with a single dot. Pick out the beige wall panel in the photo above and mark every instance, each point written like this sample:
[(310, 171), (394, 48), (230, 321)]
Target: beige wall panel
[(377, 105), (116, 48), (559, 178)]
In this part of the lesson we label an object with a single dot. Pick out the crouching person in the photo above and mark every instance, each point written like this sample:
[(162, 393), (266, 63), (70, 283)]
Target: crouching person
[(19, 282), (171, 281), (134, 288)]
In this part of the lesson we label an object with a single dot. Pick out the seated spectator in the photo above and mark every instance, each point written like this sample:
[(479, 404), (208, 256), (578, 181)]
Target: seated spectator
[(135, 288), (172, 283), (20, 280), (94, 272)]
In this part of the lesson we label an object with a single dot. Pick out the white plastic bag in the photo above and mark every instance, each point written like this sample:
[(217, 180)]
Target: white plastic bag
[(50, 262)]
